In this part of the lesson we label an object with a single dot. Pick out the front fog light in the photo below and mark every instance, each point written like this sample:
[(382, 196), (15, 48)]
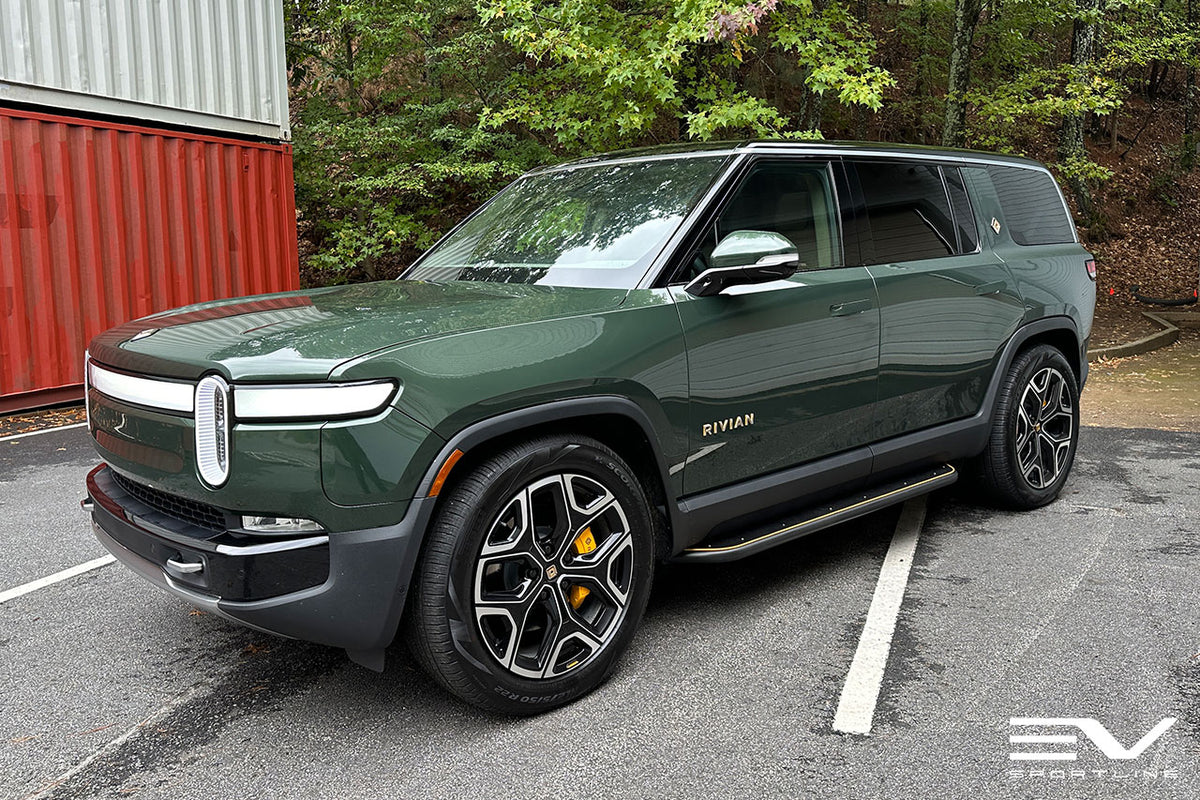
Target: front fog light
[(280, 525)]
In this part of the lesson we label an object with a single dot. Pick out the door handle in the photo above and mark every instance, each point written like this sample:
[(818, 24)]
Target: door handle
[(995, 287), (849, 308)]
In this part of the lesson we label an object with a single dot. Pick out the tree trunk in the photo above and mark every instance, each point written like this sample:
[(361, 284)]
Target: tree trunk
[(966, 18), (921, 88), (861, 11), (1070, 138), (1191, 146)]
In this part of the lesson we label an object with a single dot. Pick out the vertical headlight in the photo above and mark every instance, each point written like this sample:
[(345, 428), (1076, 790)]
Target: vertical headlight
[(212, 430)]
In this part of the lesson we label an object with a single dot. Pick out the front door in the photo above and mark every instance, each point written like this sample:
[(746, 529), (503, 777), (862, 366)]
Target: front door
[(780, 373)]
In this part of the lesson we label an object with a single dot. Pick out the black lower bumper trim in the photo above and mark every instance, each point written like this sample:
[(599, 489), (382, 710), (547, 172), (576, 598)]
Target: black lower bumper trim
[(356, 606), (202, 559)]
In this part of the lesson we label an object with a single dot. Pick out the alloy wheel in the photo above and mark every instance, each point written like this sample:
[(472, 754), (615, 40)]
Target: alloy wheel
[(1045, 428), (553, 576)]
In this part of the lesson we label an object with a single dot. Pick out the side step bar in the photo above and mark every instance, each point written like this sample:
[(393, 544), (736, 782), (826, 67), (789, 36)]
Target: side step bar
[(749, 542)]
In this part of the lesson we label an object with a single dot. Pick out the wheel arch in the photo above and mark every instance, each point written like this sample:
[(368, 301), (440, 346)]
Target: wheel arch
[(615, 421), (1058, 331), (1065, 339)]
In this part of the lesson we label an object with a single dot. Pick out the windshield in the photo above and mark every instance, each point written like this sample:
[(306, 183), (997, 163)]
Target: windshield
[(596, 225)]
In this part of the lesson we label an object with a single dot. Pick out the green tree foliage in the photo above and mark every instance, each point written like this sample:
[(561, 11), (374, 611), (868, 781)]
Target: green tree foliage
[(605, 75), (408, 114), (387, 98)]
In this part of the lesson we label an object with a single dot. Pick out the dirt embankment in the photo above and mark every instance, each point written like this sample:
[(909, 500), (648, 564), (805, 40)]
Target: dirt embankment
[(1157, 390)]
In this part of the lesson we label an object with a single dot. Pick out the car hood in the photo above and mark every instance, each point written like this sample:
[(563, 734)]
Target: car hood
[(305, 335)]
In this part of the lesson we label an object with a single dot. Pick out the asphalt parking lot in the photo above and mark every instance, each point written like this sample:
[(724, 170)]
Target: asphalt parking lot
[(1087, 609)]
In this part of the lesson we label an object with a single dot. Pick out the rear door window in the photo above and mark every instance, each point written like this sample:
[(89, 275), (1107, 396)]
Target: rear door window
[(908, 212), (1033, 208)]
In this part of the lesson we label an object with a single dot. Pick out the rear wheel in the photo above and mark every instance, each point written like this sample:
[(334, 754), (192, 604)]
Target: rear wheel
[(1034, 431), (534, 576)]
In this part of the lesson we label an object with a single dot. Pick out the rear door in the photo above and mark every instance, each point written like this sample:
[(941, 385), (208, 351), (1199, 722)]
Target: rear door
[(780, 373), (947, 304)]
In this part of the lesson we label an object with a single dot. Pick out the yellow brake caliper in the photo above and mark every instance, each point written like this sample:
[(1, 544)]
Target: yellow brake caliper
[(585, 543)]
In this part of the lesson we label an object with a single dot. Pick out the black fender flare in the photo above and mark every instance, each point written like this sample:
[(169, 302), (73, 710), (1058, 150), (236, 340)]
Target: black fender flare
[(1018, 340), (485, 430)]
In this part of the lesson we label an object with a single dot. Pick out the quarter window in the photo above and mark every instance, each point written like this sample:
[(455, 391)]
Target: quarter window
[(908, 213), (1033, 208)]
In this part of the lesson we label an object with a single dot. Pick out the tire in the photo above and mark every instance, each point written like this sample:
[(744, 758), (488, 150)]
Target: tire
[(1035, 430), (495, 614)]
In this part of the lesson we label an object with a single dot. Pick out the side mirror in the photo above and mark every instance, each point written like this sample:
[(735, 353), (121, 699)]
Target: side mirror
[(745, 257)]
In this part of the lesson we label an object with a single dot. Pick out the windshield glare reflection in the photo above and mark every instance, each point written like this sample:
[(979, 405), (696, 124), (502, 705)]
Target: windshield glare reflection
[(594, 225)]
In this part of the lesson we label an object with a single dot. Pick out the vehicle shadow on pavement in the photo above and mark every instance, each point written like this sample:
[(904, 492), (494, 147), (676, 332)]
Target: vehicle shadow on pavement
[(316, 689)]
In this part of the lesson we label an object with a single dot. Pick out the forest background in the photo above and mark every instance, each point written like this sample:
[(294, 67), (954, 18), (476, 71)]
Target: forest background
[(407, 115)]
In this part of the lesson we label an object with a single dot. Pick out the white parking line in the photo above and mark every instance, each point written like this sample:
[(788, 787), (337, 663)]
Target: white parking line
[(49, 580), (43, 430), (856, 706)]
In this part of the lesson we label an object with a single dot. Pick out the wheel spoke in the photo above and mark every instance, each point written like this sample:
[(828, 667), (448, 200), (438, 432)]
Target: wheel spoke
[(1056, 435), (505, 645), (1060, 450), (1024, 427), (598, 567), (550, 517), (1052, 402), (586, 496), (570, 631), (1046, 461), (512, 531)]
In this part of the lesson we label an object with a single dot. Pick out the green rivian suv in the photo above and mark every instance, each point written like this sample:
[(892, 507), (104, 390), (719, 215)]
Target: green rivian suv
[(661, 355)]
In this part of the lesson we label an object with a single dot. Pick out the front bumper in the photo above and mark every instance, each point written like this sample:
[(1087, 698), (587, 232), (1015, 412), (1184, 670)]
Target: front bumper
[(343, 589)]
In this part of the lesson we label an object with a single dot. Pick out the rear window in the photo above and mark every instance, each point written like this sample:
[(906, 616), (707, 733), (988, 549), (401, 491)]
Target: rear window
[(1033, 208)]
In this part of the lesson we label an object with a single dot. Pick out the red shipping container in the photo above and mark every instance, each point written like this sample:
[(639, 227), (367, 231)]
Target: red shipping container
[(101, 223)]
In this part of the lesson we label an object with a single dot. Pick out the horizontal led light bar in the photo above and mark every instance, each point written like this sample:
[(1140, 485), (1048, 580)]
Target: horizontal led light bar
[(311, 401), (152, 392), (266, 402)]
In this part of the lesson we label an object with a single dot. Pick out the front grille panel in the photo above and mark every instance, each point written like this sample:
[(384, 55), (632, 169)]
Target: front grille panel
[(200, 514)]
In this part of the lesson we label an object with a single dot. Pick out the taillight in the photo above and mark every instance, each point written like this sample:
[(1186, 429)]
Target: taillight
[(1090, 265)]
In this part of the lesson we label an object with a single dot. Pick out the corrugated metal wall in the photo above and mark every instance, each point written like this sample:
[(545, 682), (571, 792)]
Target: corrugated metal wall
[(213, 64), (101, 223)]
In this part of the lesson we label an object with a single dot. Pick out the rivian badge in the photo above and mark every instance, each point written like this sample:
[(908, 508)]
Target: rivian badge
[(723, 425)]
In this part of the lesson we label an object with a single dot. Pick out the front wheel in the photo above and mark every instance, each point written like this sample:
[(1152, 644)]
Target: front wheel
[(534, 576), (1034, 431)]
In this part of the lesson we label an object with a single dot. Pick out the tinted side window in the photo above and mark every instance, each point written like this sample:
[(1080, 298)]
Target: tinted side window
[(964, 216), (794, 199), (908, 214), (1032, 207)]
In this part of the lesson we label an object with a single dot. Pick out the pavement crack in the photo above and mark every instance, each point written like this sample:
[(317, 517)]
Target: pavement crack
[(195, 717)]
